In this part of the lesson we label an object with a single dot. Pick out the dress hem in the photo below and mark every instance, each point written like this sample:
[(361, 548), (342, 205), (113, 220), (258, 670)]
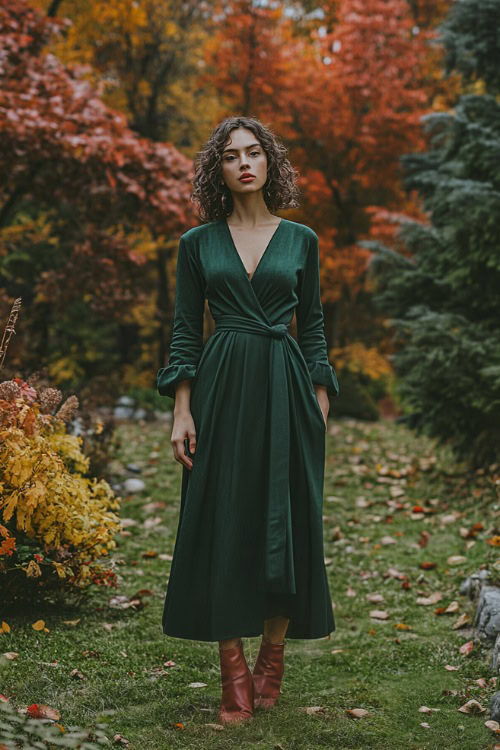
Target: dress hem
[(250, 635)]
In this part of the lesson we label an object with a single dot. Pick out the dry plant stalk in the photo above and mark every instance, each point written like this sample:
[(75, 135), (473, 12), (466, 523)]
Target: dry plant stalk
[(9, 329)]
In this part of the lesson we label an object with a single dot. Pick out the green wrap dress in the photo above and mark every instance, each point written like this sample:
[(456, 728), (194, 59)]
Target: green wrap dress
[(249, 541)]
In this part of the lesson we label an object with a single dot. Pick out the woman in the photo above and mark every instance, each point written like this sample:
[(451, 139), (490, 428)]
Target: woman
[(251, 409)]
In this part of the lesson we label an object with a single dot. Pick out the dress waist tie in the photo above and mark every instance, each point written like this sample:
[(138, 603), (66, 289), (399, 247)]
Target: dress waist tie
[(279, 574)]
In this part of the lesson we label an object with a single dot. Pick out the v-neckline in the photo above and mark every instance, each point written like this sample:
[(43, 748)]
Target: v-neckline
[(247, 276)]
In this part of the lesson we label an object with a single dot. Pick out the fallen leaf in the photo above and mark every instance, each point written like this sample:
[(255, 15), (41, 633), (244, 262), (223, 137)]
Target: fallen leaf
[(5, 627), (427, 710), (119, 739), (425, 725), (466, 648), (481, 682), (388, 540), (456, 560), (464, 619), (402, 626), (357, 713), (394, 573), (493, 725), (432, 599), (375, 598), (197, 684), (396, 491), (350, 592), (424, 539), (124, 522), (427, 565), (337, 651), (42, 711), (450, 668), (215, 727), (472, 707), (11, 655), (379, 614), (38, 625), (72, 622), (76, 674)]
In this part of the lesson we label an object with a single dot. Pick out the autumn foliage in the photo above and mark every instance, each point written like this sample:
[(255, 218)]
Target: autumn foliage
[(58, 524)]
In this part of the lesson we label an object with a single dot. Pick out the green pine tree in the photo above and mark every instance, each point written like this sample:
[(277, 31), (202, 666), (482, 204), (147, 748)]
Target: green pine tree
[(444, 300)]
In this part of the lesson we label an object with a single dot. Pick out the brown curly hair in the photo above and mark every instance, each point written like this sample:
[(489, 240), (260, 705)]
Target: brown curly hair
[(214, 199)]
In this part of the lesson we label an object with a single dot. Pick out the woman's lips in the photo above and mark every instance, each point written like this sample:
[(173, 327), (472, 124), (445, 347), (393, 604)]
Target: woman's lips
[(247, 179)]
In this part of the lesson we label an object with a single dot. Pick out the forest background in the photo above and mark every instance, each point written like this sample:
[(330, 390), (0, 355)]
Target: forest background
[(103, 107)]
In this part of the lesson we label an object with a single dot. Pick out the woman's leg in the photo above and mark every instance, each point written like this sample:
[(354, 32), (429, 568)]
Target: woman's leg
[(229, 643), (269, 667), (275, 629)]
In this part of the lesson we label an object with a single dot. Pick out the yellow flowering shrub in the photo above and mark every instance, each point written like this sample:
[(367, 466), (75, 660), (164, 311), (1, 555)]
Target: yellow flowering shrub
[(358, 358), (57, 525)]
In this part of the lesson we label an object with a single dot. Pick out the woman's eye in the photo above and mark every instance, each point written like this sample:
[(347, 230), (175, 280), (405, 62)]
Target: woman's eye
[(252, 153)]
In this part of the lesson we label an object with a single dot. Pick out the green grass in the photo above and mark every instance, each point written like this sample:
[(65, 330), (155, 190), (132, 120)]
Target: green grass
[(387, 671)]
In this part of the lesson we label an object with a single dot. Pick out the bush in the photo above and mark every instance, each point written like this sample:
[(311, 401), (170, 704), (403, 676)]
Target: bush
[(58, 524)]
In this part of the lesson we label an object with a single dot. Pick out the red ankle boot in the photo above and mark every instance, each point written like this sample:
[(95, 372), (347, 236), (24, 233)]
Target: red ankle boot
[(237, 685), (268, 673)]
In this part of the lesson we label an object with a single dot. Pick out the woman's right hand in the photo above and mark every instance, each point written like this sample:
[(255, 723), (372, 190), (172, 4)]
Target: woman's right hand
[(183, 428)]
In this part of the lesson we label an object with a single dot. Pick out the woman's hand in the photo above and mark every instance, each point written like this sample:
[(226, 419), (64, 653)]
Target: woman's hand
[(323, 401), (183, 424), (183, 428)]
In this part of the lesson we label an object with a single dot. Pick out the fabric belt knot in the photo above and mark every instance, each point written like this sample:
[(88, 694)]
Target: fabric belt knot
[(278, 572), (279, 330)]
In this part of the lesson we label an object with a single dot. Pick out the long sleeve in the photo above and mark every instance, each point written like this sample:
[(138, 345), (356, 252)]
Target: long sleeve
[(187, 335), (310, 322)]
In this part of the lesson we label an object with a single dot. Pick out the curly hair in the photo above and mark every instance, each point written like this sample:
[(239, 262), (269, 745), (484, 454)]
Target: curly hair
[(214, 199)]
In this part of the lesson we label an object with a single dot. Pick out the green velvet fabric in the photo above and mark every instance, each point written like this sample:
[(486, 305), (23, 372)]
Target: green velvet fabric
[(249, 541)]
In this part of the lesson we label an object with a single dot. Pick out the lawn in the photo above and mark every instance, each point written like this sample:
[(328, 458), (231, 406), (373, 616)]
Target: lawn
[(399, 519)]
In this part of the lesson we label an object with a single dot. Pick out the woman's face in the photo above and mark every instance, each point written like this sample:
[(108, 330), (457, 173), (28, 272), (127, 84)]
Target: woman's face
[(242, 154)]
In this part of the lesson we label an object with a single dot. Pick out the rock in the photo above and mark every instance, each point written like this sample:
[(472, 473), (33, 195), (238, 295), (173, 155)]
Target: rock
[(125, 401), (495, 706), (133, 485), (487, 617), (140, 413), (471, 586), (123, 412), (495, 656)]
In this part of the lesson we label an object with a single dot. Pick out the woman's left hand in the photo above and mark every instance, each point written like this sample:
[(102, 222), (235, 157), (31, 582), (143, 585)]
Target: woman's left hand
[(323, 401)]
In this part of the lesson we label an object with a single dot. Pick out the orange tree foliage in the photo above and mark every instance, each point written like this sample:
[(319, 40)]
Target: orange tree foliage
[(77, 187), (347, 96)]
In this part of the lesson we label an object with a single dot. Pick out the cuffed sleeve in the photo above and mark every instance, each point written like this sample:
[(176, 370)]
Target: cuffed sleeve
[(187, 335), (310, 322)]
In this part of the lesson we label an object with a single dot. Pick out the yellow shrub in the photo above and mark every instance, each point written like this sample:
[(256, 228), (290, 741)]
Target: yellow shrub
[(361, 359), (57, 523)]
